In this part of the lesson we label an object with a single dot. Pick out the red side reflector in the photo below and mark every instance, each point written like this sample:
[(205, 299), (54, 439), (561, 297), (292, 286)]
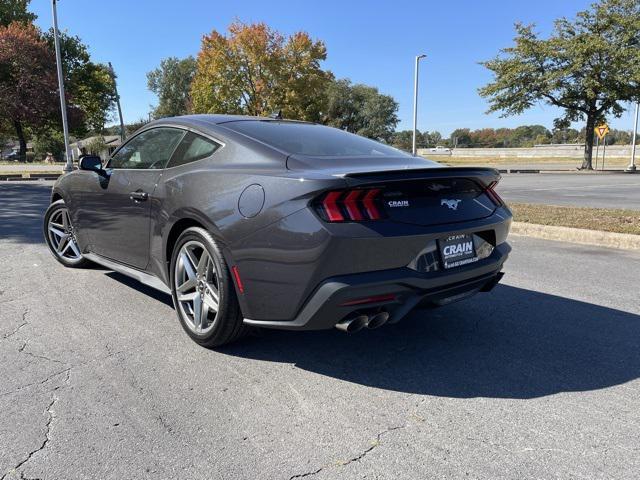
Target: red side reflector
[(236, 275), (374, 299), (351, 204), (370, 204), (331, 208)]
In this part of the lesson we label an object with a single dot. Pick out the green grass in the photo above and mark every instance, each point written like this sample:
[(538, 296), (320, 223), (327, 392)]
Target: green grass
[(603, 219)]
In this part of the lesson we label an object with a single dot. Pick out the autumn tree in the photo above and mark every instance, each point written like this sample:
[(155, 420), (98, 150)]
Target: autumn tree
[(404, 139), (255, 70), (461, 137), (587, 67), (360, 109), (27, 80), (171, 82)]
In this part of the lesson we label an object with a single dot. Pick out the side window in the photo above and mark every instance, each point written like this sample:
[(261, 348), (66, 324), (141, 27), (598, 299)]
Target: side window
[(149, 150), (193, 147)]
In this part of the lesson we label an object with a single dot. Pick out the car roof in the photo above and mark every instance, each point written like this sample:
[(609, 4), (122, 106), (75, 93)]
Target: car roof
[(211, 124), (213, 119)]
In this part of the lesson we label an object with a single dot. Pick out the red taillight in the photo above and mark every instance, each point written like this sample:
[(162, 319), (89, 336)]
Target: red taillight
[(350, 205), (331, 207), (370, 204), (493, 195)]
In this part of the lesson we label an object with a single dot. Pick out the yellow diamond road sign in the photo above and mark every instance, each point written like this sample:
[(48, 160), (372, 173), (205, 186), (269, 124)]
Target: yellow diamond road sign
[(602, 130)]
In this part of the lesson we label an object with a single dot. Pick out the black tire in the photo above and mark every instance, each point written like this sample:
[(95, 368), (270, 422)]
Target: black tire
[(228, 324), (55, 209)]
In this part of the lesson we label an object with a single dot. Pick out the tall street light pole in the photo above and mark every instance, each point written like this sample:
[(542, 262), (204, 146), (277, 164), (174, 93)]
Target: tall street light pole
[(415, 103), (63, 105), (632, 165), (115, 87)]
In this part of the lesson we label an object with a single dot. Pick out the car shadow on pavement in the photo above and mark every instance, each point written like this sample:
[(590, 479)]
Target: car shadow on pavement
[(142, 288), (21, 211), (511, 343)]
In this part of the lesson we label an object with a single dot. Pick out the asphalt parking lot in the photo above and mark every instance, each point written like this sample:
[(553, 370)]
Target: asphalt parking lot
[(596, 190), (537, 379)]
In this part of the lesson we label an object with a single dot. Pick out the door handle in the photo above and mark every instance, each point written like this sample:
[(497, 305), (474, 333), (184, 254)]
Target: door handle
[(139, 196)]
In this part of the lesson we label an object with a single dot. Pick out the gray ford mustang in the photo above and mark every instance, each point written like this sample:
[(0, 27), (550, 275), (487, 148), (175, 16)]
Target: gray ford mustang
[(282, 224)]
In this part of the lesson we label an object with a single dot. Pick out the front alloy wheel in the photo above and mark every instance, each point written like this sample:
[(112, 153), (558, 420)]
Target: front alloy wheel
[(61, 236)]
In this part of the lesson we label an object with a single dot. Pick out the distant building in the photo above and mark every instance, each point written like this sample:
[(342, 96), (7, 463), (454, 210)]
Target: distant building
[(11, 150), (111, 142)]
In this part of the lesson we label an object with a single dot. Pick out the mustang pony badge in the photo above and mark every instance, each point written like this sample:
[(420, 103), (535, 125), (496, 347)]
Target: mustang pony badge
[(452, 204)]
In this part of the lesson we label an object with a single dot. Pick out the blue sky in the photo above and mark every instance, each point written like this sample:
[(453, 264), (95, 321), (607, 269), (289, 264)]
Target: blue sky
[(372, 42)]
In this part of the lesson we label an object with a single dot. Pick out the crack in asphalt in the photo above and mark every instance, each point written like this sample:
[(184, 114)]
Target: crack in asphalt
[(308, 474), (41, 382), (19, 327), (375, 444), (47, 434), (55, 374), (50, 407), (34, 355)]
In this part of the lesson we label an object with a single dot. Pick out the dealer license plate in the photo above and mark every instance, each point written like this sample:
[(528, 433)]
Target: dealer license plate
[(457, 250)]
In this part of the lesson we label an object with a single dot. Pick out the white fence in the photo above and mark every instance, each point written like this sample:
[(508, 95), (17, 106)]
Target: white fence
[(568, 151)]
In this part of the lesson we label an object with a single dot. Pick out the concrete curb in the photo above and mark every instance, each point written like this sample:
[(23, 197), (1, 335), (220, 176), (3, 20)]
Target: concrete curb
[(21, 177), (624, 241)]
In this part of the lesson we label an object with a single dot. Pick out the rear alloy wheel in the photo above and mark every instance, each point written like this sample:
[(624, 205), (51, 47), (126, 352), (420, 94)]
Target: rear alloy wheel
[(196, 280), (61, 236), (203, 294)]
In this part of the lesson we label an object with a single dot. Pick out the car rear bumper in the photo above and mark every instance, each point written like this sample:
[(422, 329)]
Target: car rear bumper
[(326, 306)]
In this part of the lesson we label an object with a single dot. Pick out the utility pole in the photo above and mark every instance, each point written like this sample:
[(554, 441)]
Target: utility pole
[(415, 103), (632, 166), (123, 136), (63, 104)]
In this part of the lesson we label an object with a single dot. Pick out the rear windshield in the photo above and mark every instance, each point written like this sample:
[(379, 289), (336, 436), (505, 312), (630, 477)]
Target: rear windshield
[(311, 139)]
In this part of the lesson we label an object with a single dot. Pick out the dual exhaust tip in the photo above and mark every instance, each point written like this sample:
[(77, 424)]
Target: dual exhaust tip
[(358, 322)]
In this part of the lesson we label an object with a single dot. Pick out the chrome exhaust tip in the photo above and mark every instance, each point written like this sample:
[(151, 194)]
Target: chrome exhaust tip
[(353, 324), (378, 320)]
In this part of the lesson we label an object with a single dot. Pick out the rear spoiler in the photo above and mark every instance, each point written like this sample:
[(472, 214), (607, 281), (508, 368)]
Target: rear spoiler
[(483, 175)]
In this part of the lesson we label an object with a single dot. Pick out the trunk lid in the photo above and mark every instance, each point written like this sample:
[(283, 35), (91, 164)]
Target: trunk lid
[(431, 196)]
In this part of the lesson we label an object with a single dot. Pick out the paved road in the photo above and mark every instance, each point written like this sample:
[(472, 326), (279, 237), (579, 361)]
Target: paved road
[(584, 190), (538, 379)]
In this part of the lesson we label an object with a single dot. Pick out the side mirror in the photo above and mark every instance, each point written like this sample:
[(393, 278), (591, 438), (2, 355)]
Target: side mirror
[(91, 162)]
